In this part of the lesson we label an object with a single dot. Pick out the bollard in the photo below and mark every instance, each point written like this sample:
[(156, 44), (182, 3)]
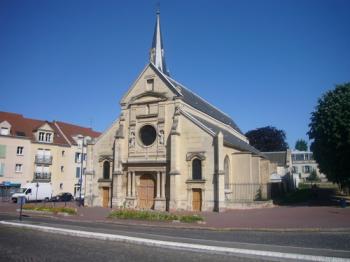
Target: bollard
[(343, 203), (22, 201)]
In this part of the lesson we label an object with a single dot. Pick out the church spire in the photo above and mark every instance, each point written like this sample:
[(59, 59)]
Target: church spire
[(157, 52)]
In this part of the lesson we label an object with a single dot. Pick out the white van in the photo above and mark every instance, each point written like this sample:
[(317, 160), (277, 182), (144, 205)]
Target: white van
[(34, 192)]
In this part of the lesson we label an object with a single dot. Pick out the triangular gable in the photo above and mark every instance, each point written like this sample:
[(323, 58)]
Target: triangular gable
[(5, 124), (138, 90), (45, 127)]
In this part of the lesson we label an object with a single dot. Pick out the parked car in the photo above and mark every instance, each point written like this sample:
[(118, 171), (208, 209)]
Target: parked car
[(63, 197), (78, 197), (34, 192)]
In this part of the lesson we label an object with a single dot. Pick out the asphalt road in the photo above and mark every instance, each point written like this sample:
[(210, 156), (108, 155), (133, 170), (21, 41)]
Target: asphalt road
[(333, 244), (28, 245)]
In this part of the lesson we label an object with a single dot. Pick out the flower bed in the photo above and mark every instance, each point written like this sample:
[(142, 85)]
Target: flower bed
[(54, 210), (153, 216)]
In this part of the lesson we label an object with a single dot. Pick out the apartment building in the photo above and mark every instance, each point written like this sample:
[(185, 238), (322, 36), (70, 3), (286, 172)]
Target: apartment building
[(303, 164), (34, 150)]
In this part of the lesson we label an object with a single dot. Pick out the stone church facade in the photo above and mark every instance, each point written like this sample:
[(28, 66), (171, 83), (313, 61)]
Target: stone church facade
[(172, 150)]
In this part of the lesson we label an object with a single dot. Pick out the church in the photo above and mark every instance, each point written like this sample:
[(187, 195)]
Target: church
[(171, 150)]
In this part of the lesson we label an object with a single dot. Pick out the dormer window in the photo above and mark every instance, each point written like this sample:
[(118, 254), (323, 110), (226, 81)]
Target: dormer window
[(48, 137), (80, 143), (41, 136), (45, 137), (5, 131)]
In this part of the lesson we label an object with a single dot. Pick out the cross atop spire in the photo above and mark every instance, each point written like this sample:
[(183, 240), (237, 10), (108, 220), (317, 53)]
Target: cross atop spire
[(157, 52)]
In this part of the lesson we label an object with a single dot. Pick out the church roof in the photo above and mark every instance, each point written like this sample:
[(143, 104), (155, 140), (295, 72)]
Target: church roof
[(200, 104), (229, 138), (157, 61), (280, 158)]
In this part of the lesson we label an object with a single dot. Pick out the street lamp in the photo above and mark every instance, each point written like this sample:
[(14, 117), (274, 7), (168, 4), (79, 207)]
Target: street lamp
[(81, 170)]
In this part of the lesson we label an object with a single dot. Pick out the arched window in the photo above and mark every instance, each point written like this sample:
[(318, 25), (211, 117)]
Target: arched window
[(227, 172), (106, 167), (196, 169)]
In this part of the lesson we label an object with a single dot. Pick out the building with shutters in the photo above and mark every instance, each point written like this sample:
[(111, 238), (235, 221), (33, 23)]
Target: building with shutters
[(171, 150), (303, 163), (41, 151)]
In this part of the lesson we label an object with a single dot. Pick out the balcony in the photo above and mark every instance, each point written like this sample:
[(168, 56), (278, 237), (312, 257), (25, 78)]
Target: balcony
[(42, 176), (46, 160)]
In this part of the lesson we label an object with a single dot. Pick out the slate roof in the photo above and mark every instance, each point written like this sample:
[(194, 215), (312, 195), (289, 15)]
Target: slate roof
[(279, 158), (228, 137), (200, 104)]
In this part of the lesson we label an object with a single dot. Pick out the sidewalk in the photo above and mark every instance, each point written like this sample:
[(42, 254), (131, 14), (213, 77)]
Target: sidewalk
[(275, 218)]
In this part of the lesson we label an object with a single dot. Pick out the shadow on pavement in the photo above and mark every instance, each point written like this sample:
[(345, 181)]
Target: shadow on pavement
[(313, 196)]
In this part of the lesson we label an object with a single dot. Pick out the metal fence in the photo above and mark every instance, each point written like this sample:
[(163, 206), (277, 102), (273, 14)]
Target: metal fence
[(247, 192), (6, 193)]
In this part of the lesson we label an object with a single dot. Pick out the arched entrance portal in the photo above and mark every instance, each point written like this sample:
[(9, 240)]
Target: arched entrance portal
[(146, 192)]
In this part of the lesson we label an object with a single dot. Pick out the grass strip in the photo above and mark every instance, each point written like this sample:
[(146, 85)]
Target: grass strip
[(55, 210), (153, 216)]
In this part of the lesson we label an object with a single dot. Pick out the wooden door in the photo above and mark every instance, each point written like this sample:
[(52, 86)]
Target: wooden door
[(146, 192), (196, 199), (105, 199)]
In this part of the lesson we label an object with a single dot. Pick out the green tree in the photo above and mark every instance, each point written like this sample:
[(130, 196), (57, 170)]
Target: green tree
[(301, 145), (313, 176), (330, 132), (267, 139)]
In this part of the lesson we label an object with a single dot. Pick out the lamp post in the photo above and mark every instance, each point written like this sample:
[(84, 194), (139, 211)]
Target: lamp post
[(36, 195), (81, 170)]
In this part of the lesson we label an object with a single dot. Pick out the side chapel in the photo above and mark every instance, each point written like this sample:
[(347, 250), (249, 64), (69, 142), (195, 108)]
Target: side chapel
[(172, 150)]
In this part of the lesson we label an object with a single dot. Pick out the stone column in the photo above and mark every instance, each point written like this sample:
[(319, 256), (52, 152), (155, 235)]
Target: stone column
[(130, 199), (163, 184), (128, 193), (174, 163), (117, 200), (159, 202), (220, 174), (158, 184), (133, 184)]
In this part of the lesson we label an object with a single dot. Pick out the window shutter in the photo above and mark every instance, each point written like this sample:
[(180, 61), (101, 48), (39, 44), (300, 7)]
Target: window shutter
[(2, 151), (2, 169), (77, 173)]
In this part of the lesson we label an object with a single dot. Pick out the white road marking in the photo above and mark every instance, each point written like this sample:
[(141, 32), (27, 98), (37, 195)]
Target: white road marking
[(175, 245)]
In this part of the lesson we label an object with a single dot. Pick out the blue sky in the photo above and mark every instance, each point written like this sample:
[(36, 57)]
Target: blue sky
[(262, 62)]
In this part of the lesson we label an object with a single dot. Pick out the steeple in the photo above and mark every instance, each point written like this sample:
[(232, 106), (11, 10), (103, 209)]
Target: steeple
[(157, 52)]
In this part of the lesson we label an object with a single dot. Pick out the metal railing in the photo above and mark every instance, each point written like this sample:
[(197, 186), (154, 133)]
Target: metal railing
[(247, 192), (6, 193), (42, 176), (43, 159)]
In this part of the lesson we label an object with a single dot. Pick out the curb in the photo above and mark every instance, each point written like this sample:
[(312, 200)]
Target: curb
[(175, 245), (185, 226)]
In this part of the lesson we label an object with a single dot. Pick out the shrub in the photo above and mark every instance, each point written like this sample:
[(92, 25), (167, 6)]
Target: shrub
[(313, 176)]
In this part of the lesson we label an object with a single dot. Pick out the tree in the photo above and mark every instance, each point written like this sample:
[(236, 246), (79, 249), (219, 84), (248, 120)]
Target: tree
[(313, 176), (330, 132), (267, 139), (301, 145)]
